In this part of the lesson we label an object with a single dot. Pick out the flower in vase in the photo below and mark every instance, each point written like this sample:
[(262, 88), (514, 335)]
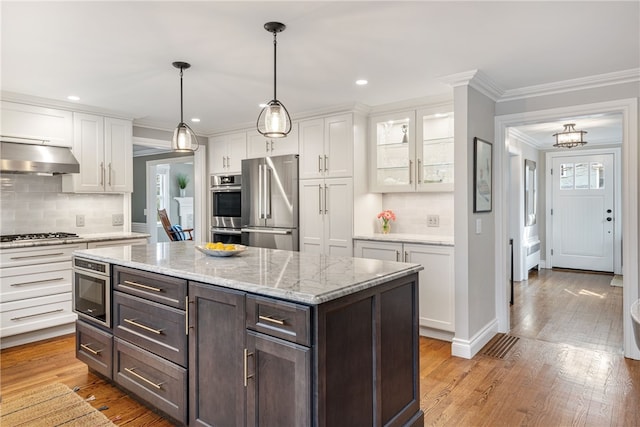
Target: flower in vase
[(386, 216)]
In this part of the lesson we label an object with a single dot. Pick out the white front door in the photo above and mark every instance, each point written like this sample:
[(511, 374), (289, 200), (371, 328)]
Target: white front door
[(583, 212)]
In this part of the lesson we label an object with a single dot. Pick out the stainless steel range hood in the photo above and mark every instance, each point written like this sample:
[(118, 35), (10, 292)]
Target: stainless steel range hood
[(36, 159)]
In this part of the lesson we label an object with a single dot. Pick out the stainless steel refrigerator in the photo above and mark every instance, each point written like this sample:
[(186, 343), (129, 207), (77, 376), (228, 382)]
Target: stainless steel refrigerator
[(270, 202)]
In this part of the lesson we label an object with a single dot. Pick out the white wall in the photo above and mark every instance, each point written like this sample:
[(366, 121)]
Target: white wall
[(411, 211), (32, 203), (474, 252)]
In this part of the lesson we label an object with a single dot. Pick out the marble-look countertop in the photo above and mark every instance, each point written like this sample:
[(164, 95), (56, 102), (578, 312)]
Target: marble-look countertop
[(82, 238), (295, 276), (408, 238)]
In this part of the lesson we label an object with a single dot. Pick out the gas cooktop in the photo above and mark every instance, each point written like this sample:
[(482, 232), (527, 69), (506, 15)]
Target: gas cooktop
[(35, 236)]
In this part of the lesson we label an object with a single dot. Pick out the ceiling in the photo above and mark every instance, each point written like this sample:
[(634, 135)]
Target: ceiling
[(117, 56)]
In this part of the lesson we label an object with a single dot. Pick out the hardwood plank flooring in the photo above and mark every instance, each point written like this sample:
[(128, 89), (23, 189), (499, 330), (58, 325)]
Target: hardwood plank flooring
[(566, 369)]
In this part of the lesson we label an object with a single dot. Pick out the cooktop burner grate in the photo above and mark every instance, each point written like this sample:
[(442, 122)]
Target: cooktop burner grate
[(35, 236)]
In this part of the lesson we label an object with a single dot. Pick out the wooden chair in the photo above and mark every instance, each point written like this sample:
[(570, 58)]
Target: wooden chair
[(175, 232)]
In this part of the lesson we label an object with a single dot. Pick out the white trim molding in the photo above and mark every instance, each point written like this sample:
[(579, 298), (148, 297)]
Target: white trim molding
[(477, 80), (469, 348)]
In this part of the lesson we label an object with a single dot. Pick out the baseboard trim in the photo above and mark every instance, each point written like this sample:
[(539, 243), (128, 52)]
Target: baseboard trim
[(469, 348)]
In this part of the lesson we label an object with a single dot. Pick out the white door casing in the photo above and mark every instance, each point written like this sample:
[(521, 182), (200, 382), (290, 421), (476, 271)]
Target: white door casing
[(582, 212)]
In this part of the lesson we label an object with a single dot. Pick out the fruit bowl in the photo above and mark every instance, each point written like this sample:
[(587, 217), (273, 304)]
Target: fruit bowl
[(221, 252)]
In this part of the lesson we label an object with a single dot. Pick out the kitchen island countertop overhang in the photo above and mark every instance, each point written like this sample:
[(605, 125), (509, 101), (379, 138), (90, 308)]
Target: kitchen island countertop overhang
[(294, 276)]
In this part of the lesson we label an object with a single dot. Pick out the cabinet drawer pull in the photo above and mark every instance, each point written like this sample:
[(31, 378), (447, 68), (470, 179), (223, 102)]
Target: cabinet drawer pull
[(326, 163), (140, 285), (37, 256), (37, 314), (272, 320), (137, 375), (246, 368), (89, 349), (35, 282), (320, 164), (141, 326), (397, 255), (419, 171)]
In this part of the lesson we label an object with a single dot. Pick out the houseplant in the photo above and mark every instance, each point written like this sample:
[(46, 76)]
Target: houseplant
[(183, 181)]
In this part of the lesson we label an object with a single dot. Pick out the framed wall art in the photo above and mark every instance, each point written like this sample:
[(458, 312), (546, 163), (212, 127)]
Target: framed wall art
[(482, 175)]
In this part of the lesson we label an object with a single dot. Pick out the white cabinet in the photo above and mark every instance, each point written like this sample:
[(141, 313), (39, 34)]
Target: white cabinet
[(226, 153), (412, 151), (35, 293), (259, 146), (326, 147), (104, 149), (326, 212), (32, 124), (437, 287)]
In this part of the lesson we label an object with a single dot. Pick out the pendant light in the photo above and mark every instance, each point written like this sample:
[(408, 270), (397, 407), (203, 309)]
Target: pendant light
[(274, 120), (184, 139), (570, 137)]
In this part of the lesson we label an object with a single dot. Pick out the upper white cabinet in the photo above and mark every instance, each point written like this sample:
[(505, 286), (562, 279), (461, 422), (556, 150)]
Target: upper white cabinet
[(35, 125), (326, 147), (260, 146), (104, 149), (411, 151), (226, 153)]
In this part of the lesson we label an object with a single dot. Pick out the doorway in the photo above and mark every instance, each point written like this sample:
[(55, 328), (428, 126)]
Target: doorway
[(628, 110), (584, 211)]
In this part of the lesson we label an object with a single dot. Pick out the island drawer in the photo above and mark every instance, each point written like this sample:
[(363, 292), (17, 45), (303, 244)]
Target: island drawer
[(285, 320), (160, 383), (95, 348), (155, 287), (152, 326)]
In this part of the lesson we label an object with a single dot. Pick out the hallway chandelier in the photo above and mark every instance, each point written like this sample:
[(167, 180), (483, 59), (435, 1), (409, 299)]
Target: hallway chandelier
[(274, 120), (184, 139), (570, 137)]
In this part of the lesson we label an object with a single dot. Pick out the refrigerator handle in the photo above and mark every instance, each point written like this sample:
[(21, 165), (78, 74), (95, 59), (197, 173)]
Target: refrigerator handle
[(260, 186), (267, 192)]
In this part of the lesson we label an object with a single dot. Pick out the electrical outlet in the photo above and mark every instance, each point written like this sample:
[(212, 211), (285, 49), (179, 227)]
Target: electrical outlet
[(117, 219), (79, 220), (433, 221)]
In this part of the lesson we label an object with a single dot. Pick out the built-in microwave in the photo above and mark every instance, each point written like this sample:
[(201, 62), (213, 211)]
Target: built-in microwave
[(92, 291), (226, 199)]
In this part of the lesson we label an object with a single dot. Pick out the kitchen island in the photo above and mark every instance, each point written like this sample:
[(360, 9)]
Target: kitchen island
[(266, 337)]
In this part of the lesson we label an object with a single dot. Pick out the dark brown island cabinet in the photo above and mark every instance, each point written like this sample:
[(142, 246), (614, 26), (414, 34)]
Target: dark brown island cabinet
[(211, 355)]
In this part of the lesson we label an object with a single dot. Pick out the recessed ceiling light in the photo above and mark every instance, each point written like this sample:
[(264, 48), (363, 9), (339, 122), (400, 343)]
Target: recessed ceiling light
[(73, 98), (195, 120), (361, 82)]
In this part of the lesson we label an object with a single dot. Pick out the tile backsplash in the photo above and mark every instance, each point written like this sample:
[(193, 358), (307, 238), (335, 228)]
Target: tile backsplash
[(32, 203), (412, 209)]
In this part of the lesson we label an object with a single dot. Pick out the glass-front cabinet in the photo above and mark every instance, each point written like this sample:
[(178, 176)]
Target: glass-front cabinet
[(412, 151)]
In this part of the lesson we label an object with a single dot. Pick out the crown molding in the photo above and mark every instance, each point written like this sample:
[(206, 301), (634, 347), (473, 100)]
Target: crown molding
[(599, 80), (524, 138), (478, 80), (20, 98)]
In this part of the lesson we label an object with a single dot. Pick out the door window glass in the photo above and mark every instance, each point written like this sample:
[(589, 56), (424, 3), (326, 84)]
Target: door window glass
[(597, 176), (566, 176), (581, 172)]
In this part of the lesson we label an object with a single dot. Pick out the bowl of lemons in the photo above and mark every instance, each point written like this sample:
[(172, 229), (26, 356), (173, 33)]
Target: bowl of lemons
[(220, 249)]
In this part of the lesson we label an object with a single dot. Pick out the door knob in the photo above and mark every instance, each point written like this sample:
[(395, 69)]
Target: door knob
[(608, 210)]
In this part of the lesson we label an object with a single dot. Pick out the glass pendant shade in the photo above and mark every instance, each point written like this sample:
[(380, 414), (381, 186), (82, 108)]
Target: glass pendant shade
[(184, 139), (569, 137), (274, 120)]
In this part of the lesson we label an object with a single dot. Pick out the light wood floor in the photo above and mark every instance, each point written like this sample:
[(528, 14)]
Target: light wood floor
[(566, 369)]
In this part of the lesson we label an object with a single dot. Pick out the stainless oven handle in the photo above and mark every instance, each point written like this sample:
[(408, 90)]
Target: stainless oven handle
[(266, 231), (232, 232), (225, 189)]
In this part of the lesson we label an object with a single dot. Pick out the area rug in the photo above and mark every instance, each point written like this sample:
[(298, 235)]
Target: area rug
[(49, 406), (616, 281)]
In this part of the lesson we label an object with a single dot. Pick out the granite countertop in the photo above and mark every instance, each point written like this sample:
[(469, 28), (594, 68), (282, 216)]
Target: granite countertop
[(408, 238), (294, 276), (82, 238)]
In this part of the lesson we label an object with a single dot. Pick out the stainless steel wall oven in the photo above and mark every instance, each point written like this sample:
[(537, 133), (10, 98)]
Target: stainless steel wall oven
[(92, 291), (226, 208)]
